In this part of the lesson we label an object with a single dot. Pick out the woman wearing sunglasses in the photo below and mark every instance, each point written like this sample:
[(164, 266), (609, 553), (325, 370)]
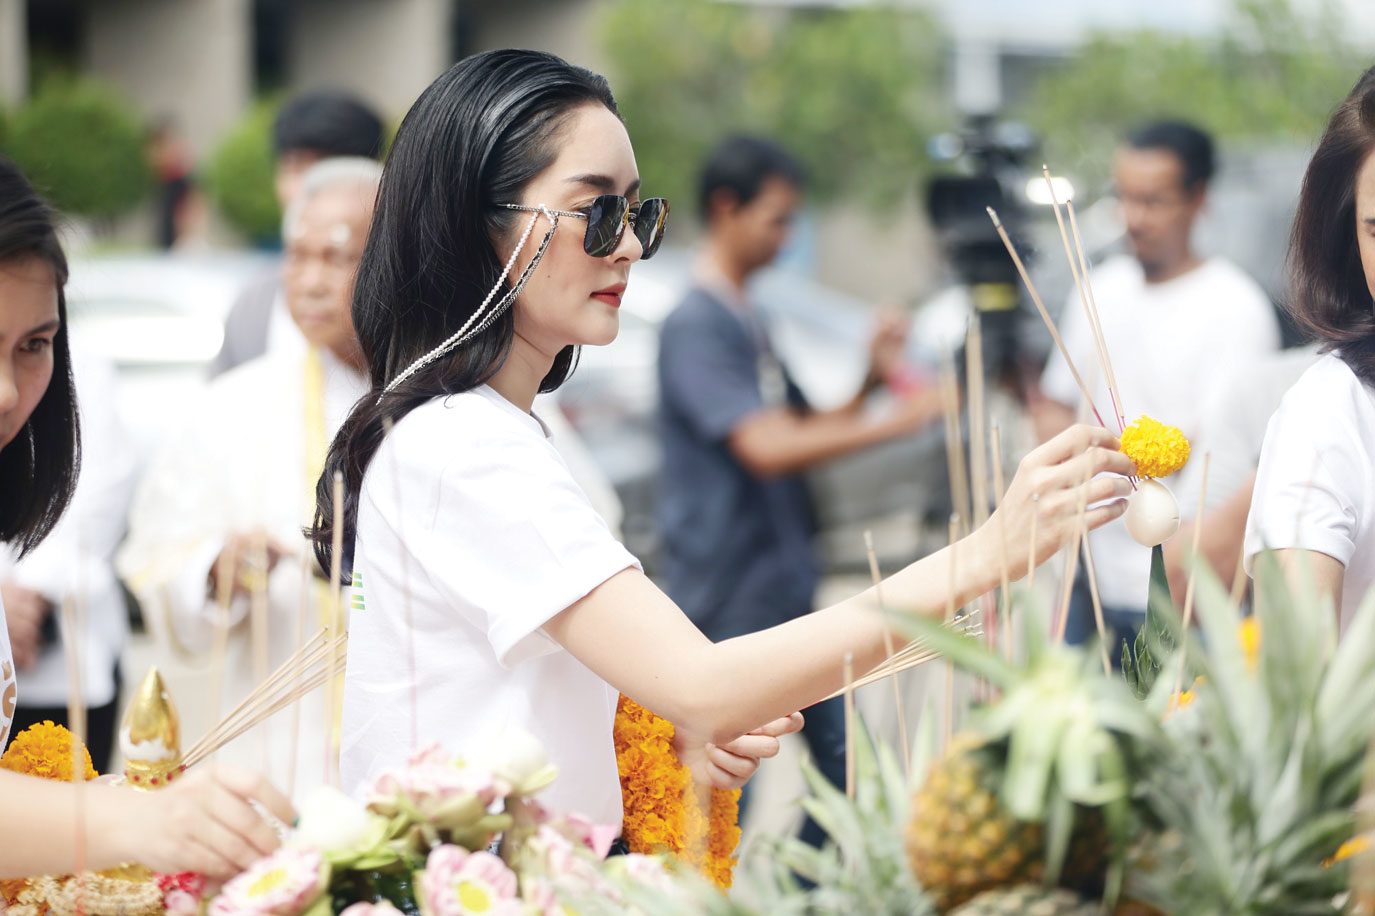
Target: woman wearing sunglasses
[(206, 821), (488, 593)]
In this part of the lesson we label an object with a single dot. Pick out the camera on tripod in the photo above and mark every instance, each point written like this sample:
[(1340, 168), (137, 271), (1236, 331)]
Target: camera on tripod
[(990, 158)]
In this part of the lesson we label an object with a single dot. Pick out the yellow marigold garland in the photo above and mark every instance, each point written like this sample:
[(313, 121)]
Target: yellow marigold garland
[(1157, 449), (661, 809), (45, 750)]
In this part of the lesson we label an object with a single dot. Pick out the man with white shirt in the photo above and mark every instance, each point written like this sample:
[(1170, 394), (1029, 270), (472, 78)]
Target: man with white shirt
[(239, 476), (310, 128), (1176, 324)]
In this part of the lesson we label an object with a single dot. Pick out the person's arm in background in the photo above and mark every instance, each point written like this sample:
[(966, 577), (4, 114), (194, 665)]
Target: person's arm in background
[(1219, 547), (715, 385)]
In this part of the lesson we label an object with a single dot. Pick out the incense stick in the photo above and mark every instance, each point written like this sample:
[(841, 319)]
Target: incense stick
[(1111, 377), (1199, 515), (954, 440), (849, 678), (1005, 602), (949, 617), (301, 674), (1097, 605), (1071, 561), (1079, 273), (974, 385), (227, 570), (73, 631), (1045, 315), (258, 625), (336, 599), (888, 650), (303, 607)]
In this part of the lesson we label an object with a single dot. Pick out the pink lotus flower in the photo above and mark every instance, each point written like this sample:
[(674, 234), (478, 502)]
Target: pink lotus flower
[(436, 787), (568, 867), (456, 882), (596, 837), (285, 883)]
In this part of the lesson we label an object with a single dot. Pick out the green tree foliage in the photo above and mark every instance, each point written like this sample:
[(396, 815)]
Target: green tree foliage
[(854, 93), (1275, 75), (239, 176), (82, 146)]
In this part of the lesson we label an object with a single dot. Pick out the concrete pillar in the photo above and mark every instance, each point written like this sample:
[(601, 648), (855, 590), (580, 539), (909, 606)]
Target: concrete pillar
[(14, 53), (387, 53), (187, 59)]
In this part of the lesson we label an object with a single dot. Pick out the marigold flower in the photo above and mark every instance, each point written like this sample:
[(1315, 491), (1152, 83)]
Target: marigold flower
[(1250, 642), (45, 750), (661, 809), (1158, 450), (1352, 847)]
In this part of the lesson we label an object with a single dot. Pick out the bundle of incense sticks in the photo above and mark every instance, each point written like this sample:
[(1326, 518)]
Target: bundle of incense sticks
[(915, 653), (300, 674)]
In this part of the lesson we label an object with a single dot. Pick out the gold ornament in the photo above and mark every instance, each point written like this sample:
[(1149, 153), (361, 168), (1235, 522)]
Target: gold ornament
[(150, 735)]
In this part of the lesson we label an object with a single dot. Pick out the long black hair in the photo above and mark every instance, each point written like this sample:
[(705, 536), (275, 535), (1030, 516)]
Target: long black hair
[(475, 138), (1329, 297), (38, 469)]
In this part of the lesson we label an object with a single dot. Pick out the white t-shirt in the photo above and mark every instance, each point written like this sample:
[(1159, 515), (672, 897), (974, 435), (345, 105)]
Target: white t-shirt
[(1170, 344), (470, 524), (1314, 487), (9, 689)]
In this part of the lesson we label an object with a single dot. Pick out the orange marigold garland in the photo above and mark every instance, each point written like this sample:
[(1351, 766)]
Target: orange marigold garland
[(662, 813), (44, 749)]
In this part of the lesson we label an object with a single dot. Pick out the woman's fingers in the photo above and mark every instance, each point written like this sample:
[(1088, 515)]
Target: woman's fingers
[(224, 843), (238, 816), (757, 746), (1070, 443), (1100, 516), (787, 725), (254, 787), (739, 767)]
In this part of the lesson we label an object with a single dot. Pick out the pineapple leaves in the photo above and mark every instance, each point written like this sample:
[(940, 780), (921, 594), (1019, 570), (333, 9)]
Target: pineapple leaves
[(963, 651)]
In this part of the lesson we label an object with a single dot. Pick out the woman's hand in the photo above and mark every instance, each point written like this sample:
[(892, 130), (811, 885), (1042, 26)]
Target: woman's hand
[(1052, 485), (205, 822), (730, 766)]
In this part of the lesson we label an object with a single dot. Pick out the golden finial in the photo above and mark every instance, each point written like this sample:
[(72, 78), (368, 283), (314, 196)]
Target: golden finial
[(150, 735)]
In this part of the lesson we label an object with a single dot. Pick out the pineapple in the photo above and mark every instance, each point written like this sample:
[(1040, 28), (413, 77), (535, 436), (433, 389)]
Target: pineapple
[(965, 842), (1265, 765), (1027, 900), (1039, 792)]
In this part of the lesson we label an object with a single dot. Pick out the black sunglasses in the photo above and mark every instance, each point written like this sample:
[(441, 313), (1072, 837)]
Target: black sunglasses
[(608, 215)]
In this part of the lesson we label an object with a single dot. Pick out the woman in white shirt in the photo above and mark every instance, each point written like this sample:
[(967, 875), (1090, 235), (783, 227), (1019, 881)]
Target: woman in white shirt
[(204, 822), (492, 595), (1314, 499)]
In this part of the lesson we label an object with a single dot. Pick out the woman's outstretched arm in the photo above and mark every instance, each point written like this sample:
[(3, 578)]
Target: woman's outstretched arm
[(638, 640)]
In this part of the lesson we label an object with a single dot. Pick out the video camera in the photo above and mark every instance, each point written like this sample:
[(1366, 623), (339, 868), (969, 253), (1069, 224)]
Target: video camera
[(991, 159)]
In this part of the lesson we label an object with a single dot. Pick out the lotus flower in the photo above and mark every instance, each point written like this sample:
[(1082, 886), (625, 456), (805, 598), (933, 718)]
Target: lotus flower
[(384, 908), (518, 759), (456, 882), (441, 797), (283, 884)]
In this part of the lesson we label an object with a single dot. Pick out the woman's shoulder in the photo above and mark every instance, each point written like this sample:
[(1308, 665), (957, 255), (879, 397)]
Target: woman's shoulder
[(1328, 413), (1329, 389)]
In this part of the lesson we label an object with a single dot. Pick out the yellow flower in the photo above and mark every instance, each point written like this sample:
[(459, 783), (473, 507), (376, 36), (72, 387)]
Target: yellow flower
[(1250, 642), (44, 749), (1158, 450), (1352, 847)]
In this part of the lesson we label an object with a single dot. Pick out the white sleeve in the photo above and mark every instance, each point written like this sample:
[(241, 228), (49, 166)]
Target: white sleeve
[(1312, 482), (177, 526), (514, 541)]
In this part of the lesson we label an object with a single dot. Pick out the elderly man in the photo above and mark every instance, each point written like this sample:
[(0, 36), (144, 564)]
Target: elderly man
[(234, 485)]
